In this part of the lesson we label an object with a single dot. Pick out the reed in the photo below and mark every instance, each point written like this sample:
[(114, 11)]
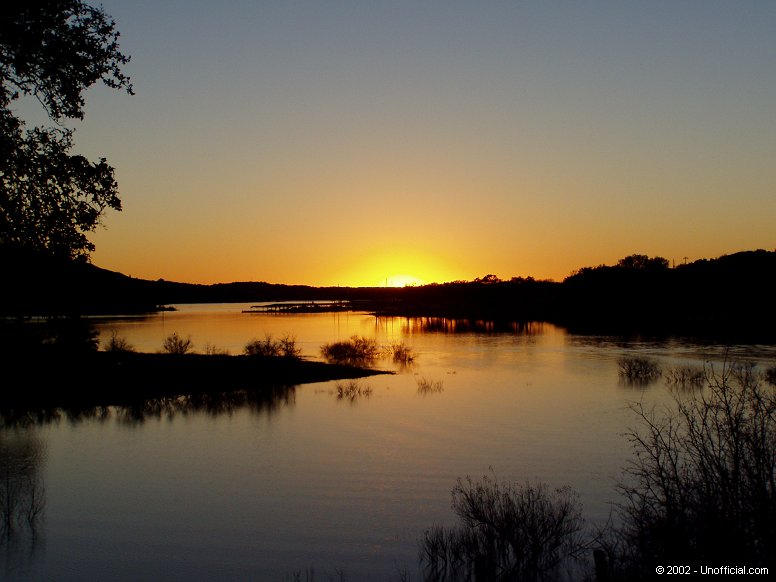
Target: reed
[(400, 353), (352, 390), (427, 386)]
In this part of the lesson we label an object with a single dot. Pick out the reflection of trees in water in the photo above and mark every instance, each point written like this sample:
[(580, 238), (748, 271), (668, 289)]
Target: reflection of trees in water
[(22, 496), (264, 401), (452, 325)]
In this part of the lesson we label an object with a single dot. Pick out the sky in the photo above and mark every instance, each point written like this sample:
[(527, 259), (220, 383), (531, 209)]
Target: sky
[(374, 143)]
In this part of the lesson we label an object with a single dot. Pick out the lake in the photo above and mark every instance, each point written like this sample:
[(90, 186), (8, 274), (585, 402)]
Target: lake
[(311, 483)]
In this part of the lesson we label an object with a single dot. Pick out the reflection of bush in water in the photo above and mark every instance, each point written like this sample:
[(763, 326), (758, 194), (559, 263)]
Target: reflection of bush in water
[(506, 532), (686, 376), (265, 400)]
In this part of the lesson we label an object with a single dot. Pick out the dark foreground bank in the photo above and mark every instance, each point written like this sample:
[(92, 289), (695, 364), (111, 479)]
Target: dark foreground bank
[(126, 379)]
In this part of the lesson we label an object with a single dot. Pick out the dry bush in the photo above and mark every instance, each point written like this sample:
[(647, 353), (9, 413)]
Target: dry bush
[(117, 343), (174, 344), (701, 487), (506, 532), (285, 347), (357, 350)]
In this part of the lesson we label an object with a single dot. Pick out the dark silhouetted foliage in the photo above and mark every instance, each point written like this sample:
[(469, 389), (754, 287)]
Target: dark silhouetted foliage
[(506, 532), (285, 347), (701, 488), (357, 350), (639, 370), (53, 50), (174, 344), (643, 262)]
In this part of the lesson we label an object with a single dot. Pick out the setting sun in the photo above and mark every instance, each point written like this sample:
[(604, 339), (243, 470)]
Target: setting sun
[(404, 280), (399, 267)]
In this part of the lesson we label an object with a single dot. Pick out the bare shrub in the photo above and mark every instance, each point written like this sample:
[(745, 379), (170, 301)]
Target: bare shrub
[(285, 346), (701, 487), (265, 347), (770, 376), (357, 350), (505, 532), (288, 347), (639, 370), (117, 343), (174, 344)]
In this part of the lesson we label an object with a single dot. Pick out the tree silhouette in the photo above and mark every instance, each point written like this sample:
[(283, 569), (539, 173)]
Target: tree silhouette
[(643, 262), (53, 50)]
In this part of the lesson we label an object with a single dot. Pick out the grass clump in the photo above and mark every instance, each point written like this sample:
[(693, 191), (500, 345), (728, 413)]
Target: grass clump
[(118, 344), (506, 532), (174, 344), (351, 390), (400, 353), (357, 350), (283, 347), (427, 386), (639, 370)]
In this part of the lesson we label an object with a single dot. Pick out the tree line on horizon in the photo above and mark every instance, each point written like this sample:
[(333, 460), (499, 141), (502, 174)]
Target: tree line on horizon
[(729, 295)]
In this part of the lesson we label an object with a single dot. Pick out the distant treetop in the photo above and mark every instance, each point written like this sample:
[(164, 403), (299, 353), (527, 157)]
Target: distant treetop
[(643, 262)]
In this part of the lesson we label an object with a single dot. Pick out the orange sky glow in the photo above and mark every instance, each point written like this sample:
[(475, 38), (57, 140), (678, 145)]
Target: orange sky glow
[(402, 143)]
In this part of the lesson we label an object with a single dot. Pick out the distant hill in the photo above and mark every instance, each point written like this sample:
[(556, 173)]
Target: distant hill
[(731, 295), (35, 284)]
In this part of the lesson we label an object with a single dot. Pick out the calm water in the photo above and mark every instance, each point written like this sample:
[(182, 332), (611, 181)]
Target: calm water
[(313, 483)]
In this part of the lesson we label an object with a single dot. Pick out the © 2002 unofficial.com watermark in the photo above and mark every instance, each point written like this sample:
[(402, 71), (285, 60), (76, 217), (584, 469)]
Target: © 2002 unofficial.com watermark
[(711, 570)]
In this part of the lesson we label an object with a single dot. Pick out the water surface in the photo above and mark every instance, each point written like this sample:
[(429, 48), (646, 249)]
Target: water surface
[(312, 482)]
